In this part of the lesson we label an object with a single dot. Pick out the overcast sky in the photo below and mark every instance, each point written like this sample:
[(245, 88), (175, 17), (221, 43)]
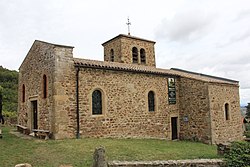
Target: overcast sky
[(206, 36)]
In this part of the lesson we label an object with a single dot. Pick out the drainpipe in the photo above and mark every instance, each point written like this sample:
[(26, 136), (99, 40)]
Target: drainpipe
[(77, 104)]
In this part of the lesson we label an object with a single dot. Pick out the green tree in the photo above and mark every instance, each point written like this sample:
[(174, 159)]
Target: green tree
[(238, 155), (1, 96), (9, 86), (248, 111)]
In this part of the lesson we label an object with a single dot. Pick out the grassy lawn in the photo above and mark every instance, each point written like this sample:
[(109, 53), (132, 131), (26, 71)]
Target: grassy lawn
[(78, 152)]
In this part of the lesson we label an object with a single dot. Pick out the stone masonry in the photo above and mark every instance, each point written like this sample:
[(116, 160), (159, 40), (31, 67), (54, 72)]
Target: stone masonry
[(171, 163), (39, 61), (194, 107), (125, 105), (202, 103), (100, 160), (122, 46), (222, 129), (124, 86), (54, 62)]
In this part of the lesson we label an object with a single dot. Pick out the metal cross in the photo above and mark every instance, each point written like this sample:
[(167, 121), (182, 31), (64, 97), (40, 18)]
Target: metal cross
[(128, 23)]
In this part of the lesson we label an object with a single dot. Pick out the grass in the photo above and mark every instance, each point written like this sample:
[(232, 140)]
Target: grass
[(78, 152)]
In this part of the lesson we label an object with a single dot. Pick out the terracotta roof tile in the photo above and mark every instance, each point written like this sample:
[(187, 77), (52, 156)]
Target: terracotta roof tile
[(203, 77), (150, 70), (128, 36), (122, 66)]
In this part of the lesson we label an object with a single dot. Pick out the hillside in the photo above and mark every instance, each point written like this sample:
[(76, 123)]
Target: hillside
[(9, 83)]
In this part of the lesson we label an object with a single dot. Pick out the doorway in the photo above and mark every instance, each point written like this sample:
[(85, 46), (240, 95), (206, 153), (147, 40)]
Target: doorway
[(174, 123), (34, 113)]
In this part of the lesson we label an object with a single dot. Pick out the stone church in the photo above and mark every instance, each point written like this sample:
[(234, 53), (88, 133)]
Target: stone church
[(125, 95)]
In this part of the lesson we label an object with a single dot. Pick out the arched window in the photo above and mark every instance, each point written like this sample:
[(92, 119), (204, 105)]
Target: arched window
[(143, 56), (44, 86), (97, 102), (227, 111), (112, 58), (151, 101), (23, 93), (135, 54)]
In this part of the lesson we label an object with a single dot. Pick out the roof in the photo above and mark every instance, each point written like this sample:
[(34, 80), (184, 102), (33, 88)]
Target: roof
[(128, 36), (64, 46), (85, 63), (43, 42), (203, 77), (122, 67)]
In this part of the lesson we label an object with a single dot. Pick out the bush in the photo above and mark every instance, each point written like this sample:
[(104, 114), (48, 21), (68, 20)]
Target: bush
[(239, 154), (10, 118), (10, 114), (247, 134), (247, 126)]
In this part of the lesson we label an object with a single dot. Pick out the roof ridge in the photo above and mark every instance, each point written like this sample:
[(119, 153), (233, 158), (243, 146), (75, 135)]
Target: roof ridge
[(121, 66), (205, 75), (87, 63), (129, 36), (53, 44)]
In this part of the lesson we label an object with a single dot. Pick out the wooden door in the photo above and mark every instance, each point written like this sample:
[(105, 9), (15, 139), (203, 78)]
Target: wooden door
[(34, 113), (174, 125)]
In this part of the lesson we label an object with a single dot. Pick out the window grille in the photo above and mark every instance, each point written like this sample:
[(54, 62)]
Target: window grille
[(151, 101), (96, 102)]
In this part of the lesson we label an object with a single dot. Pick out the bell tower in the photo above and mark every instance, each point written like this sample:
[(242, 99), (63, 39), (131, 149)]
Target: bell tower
[(130, 50)]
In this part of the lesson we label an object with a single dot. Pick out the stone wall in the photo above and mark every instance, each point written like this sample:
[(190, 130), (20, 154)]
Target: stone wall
[(171, 163), (100, 160), (199, 107), (125, 97), (38, 62), (125, 108), (195, 122), (122, 46), (225, 130), (116, 46), (64, 94), (202, 111), (56, 112)]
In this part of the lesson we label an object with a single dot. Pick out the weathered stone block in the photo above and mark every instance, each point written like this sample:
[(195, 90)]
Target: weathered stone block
[(100, 157)]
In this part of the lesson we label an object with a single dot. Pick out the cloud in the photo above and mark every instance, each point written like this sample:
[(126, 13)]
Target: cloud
[(238, 32), (185, 26), (244, 96), (244, 14), (213, 41), (211, 37)]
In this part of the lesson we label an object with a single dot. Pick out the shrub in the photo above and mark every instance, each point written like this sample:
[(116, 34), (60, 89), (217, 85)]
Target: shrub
[(239, 154), (247, 134), (247, 126), (10, 118), (10, 114)]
